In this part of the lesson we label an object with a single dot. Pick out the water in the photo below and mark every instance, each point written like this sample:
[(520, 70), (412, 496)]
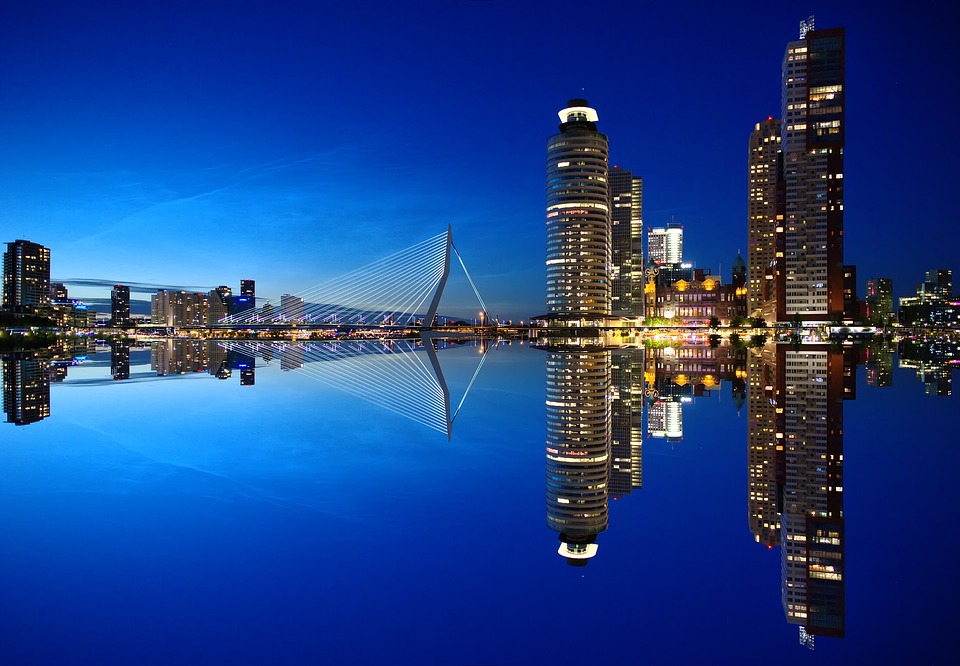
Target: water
[(188, 519)]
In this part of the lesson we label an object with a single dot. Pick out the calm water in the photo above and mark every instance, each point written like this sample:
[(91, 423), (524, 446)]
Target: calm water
[(305, 505)]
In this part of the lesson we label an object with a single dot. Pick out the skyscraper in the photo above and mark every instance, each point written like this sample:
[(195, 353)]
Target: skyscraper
[(763, 161), (810, 284), (119, 304), (626, 234), (26, 276), (665, 244), (578, 217)]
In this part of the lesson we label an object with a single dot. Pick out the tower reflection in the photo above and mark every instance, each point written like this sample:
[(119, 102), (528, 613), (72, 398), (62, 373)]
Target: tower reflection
[(795, 476), (578, 449)]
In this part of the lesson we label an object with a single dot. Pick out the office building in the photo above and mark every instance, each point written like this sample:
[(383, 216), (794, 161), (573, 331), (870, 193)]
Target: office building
[(26, 276), (879, 300), (810, 283), (119, 305), (764, 162), (248, 288), (665, 244), (578, 217), (626, 239)]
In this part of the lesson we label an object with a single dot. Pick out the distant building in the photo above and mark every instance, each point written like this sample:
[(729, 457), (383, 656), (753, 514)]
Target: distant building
[(626, 234), (879, 301), (578, 217), (665, 244), (119, 305), (120, 359), (179, 308), (248, 288), (291, 308), (58, 291), (934, 305), (26, 276)]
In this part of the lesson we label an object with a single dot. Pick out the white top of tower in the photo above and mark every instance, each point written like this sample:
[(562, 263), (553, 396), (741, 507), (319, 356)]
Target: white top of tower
[(572, 113)]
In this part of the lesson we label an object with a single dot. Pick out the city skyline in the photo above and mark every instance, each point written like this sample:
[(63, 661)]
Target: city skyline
[(155, 144)]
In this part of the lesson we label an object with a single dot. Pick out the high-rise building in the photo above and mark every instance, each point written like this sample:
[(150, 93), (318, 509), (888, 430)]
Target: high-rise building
[(810, 282), (937, 285), (248, 288), (665, 244), (578, 217), (626, 234), (119, 304), (879, 299), (26, 276), (764, 162)]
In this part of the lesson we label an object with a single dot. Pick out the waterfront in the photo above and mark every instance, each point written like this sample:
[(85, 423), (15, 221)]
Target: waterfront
[(182, 518)]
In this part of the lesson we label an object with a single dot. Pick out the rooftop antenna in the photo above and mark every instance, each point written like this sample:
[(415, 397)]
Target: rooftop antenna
[(806, 26)]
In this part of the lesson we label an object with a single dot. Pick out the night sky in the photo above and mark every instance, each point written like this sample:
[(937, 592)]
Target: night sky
[(198, 143)]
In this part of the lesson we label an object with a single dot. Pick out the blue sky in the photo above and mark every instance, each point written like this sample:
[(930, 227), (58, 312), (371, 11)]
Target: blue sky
[(189, 143)]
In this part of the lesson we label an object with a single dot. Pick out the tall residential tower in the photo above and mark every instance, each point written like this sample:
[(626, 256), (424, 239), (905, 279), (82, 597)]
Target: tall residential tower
[(578, 217), (810, 286), (26, 276)]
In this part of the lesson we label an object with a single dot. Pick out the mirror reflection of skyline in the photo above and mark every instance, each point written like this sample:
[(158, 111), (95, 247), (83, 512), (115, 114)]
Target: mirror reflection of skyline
[(402, 376), (597, 400)]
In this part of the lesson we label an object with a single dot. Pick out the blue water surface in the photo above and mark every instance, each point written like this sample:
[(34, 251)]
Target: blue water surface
[(189, 520)]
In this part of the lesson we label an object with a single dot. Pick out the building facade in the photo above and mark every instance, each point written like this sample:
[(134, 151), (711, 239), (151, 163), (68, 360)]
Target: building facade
[(810, 285), (626, 238), (119, 304), (764, 163), (665, 244), (578, 217), (26, 276)]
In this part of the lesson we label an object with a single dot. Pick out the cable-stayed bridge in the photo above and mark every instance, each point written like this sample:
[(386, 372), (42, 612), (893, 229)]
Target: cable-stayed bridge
[(392, 291), (401, 376)]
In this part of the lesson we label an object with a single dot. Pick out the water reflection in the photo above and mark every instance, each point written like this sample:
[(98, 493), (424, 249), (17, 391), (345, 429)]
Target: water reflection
[(403, 376), (596, 400)]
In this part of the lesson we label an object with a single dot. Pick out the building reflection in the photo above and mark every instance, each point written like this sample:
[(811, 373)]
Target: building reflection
[(933, 358), (26, 387), (578, 448), (795, 475)]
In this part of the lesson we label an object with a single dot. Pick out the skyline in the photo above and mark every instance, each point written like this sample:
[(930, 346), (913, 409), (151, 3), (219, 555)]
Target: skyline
[(131, 126)]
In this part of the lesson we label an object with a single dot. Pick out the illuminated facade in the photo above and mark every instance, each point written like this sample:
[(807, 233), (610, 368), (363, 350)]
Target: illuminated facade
[(810, 284), (810, 383), (665, 244), (765, 457), (26, 276), (119, 304), (763, 161), (578, 217), (626, 420), (626, 234), (578, 449), (26, 388)]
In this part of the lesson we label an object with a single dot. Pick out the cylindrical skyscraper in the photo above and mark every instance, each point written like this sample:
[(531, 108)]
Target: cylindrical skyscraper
[(578, 217)]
